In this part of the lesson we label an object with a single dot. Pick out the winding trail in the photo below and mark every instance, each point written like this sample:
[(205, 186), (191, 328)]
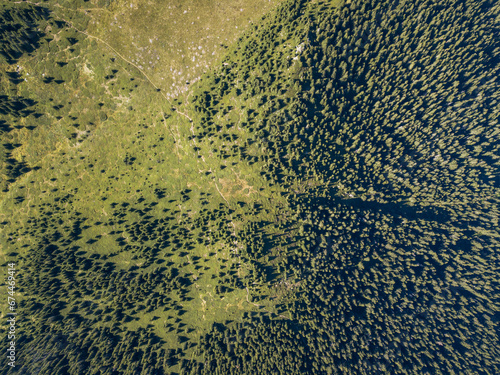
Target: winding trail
[(158, 89), (221, 193), (70, 24)]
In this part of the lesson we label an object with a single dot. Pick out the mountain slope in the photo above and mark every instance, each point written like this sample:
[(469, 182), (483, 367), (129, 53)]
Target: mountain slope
[(323, 200)]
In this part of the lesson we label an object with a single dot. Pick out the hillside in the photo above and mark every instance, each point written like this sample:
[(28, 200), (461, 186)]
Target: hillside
[(321, 197)]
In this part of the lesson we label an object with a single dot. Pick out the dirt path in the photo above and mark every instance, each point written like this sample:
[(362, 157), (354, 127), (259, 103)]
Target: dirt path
[(70, 24)]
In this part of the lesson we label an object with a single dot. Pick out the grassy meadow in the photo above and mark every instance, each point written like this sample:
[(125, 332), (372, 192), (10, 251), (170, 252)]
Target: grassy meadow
[(251, 187)]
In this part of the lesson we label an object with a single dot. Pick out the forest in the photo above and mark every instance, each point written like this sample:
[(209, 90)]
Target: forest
[(323, 200)]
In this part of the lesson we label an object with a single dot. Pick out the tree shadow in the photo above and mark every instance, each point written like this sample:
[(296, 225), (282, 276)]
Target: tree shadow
[(19, 33)]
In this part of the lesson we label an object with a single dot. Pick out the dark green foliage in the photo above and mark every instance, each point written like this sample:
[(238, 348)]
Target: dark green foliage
[(19, 33), (72, 292), (378, 123), (12, 107), (394, 118), (259, 346)]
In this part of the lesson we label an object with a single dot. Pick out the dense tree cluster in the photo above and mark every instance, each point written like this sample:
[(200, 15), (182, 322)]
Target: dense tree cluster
[(80, 301), (13, 107), (19, 33), (388, 147), (378, 122), (259, 345)]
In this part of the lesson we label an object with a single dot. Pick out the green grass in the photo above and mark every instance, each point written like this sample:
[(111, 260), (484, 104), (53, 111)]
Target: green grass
[(280, 191), (171, 42), (105, 111)]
